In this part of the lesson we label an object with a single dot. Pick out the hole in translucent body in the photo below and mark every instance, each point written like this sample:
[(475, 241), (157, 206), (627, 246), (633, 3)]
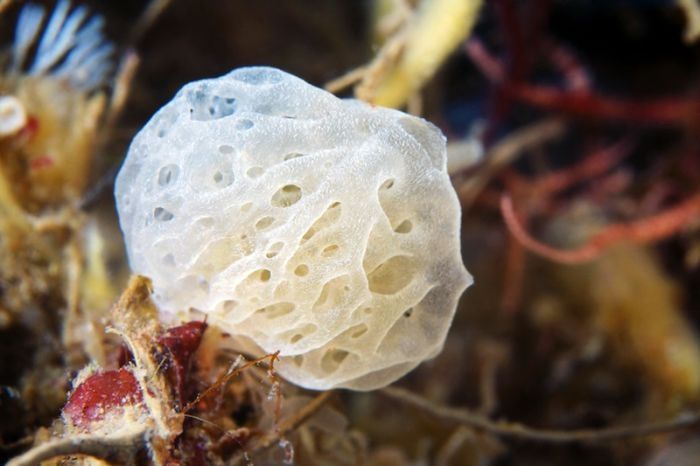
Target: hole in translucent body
[(358, 330), (169, 260), (274, 250), (404, 227), (293, 155), (165, 123), (388, 184), (255, 172), (228, 306), (262, 275), (301, 270), (162, 215), (332, 294), (264, 223), (328, 251), (331, 361), (222, 179), (392, 276), (244, 124), (328, 218), (286, 196), (277, 310), (296, 335), (168, 175)]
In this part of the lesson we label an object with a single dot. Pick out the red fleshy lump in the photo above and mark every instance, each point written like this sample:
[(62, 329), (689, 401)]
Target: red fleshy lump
[(110, 393), (102, 394), (180, 343)]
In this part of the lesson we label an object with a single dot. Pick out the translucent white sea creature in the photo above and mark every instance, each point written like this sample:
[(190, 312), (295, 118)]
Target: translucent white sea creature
[(325, 229)]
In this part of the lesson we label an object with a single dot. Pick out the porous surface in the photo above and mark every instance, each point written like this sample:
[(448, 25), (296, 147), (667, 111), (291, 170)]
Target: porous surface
[(322, 228)]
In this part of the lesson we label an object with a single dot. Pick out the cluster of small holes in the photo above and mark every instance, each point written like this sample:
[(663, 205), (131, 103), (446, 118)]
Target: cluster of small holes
[(286, 196), (207, 107)]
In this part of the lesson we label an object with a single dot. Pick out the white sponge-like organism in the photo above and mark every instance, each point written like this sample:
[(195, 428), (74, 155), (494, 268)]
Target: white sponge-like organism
[(322, 228)]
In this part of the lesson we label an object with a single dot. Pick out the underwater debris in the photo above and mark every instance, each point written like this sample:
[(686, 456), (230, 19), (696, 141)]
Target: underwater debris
[(51, 106), (415, 43), (71, 47), (58, 66)]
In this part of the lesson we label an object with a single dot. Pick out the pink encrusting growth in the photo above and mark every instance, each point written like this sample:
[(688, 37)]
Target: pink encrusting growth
[(180, 343), (109, 394), (101, 394)]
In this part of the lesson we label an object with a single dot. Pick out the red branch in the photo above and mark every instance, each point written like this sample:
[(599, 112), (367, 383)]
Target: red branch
[(566, 62), (683, 110), (643, 231), (593, 165), (665, 111)]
